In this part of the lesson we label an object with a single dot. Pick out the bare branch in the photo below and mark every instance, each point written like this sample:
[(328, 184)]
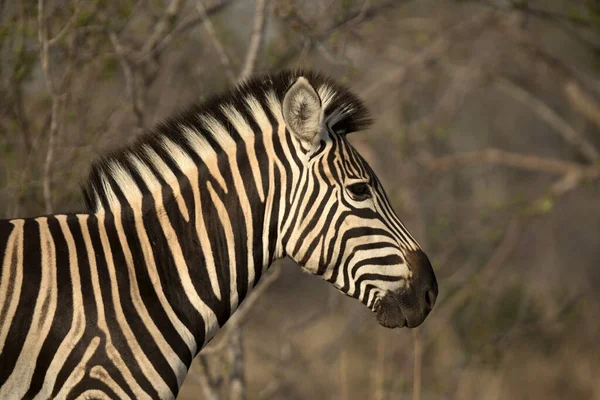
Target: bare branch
[(255, 40), (237, 384), (162, 26), (572, 177), (572, 180), (312, 39), (43, 39), (47, 174), (210, 389), (531, 44), (434, 50), (210, 30), (361, 14), (501, 157), (379, 371), (572, 174), (68, 26), (417, 364), (343, 375), (129, 79), (551, 117), (499, 256), (57, 99), (238, 317), (583, 103), (180, 28)]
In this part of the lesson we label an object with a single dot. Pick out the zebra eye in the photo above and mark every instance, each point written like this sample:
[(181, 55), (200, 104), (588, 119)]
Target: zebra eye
[(359, 191)]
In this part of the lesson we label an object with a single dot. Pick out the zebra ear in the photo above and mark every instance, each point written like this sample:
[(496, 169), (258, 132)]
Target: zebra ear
[(302, 111)]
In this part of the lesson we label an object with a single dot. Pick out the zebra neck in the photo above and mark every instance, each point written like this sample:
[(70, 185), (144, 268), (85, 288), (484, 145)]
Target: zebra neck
[(203, 247)]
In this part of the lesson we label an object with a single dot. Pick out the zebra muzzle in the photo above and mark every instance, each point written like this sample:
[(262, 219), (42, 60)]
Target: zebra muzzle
[(410, 305), (389, 313)]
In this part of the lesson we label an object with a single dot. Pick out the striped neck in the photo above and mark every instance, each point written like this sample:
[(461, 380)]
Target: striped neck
[(209, 236)]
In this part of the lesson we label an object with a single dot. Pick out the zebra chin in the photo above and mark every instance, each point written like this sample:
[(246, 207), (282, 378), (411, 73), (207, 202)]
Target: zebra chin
[(392, 312), (409, 306)]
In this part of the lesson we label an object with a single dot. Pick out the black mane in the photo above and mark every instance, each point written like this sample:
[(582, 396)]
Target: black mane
[(354, 117)]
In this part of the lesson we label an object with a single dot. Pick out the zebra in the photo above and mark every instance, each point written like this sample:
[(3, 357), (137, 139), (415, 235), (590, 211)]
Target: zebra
[(180, 225)]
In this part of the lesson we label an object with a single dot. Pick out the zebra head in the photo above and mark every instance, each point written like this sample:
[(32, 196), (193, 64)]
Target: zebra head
[(341, 225)]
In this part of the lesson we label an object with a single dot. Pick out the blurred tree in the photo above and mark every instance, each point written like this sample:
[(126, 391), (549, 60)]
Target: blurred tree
[(487, 121)]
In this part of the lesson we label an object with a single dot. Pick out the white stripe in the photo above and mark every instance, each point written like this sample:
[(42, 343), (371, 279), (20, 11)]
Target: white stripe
[(93, 394), (249, 138), (78, 372), (78, 322), (217, 129), (165, 348), (98, 372), (144, 363), (262, 120), (208, 315), (230, 239), (207, 154), (18, 382), (9, 306), (275, 107), (167, 174), (111, 351), (110, 194), (150, 180)]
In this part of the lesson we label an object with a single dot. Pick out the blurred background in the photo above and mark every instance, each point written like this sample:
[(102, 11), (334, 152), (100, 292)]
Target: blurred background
[(486, 137)]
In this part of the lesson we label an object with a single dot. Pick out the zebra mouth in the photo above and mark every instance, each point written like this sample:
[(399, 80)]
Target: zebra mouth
[(389, 313)]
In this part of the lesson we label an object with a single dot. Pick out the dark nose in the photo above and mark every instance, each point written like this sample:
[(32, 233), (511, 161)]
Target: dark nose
[(418, 299)]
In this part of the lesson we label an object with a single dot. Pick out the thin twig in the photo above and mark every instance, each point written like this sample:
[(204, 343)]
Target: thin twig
[(255, 40), (379, 371), (129, 79), (435, 49), (212, 34), (237, 384), (67, 28), (526, 8), (162, 26), (312, 39), (343, 375), (551, 117), (572, 177), (417, 364), (186, 24), (47, 173), (43, 39), (531, 44), (57, 99), (210, 390), (572, 180), (583, 102), (500, 157), (238, 317), (498, 258)]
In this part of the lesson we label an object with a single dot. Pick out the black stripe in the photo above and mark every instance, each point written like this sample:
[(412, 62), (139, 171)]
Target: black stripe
[(89, 307), (63, 315), (117, 337)]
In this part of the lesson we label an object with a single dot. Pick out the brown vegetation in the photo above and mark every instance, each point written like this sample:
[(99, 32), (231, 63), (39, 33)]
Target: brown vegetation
[(486, 138)]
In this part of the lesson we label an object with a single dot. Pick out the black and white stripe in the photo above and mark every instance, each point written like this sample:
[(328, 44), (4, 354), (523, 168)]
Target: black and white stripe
[(182, 224)]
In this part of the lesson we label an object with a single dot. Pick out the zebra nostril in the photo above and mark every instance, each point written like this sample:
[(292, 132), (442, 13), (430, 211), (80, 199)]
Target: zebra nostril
[(430, 299)]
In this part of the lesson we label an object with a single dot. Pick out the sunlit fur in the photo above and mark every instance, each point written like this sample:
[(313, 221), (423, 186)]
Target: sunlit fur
[(181, 224)]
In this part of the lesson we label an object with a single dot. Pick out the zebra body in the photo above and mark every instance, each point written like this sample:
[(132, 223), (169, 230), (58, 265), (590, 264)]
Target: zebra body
[(181, 225)]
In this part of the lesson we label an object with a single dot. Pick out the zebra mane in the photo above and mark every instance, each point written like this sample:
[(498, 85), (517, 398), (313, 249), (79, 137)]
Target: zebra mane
[(343, 109)]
